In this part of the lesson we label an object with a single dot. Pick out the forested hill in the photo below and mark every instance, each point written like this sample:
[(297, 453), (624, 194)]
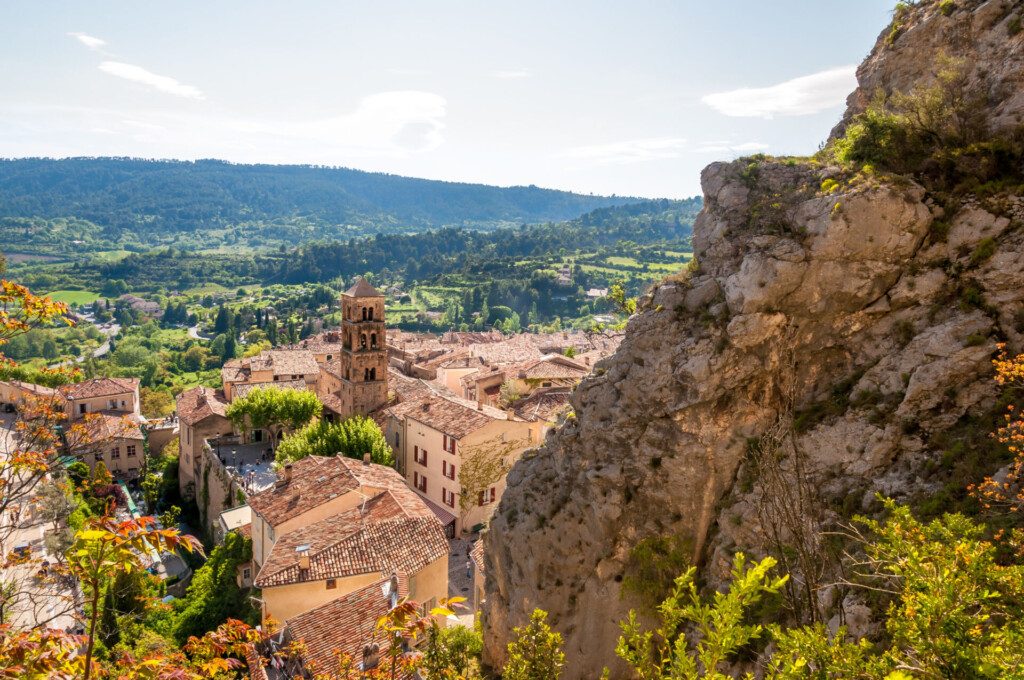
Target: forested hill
[(154, 197)]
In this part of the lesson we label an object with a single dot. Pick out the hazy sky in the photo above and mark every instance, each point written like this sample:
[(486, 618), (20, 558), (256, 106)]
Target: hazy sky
[(632, 97)]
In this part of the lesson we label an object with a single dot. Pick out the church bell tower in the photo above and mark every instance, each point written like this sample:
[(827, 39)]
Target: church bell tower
[(364, 356)]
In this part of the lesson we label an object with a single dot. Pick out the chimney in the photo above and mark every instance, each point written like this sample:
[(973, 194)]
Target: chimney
[(303, 553), (288, 473), (366, 459)]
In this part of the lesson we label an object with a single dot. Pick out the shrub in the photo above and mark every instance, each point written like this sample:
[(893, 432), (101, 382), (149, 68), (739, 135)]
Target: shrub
[(829, 185), (985, 249), (947, 7), (653, 566)]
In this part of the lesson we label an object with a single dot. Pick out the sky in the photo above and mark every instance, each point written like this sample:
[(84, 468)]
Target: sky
[(626, 98)]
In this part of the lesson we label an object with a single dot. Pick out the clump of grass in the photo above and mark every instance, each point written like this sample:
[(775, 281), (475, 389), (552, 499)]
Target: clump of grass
[(985, 249)]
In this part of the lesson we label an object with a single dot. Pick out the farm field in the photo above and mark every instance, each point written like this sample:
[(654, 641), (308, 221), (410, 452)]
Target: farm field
[(75, 297)]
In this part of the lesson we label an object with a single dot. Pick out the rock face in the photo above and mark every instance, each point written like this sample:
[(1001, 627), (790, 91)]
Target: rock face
[(981, 32), (801, 295)]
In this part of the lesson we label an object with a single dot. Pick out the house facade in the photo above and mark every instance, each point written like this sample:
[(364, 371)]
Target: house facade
[(332, 526), (435, 437)]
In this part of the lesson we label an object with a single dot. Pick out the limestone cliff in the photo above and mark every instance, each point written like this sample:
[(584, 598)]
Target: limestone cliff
[(861, 311)]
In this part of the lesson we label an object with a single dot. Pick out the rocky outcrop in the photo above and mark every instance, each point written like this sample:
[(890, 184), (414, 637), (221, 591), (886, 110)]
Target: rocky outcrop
[(858, 311), (985, 34)]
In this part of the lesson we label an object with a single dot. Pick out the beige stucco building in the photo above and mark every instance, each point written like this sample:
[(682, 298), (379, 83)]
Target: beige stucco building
[(202, 415), (435, 436), (332, 526)]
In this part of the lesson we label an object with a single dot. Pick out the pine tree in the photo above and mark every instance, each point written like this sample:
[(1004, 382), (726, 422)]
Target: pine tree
[(223, 321)]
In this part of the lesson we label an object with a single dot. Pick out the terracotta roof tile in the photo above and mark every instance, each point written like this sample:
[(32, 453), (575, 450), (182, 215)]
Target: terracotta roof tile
[(99, 387), (477, 555), (344, 625), (106, 425), (448, 414), (243, 389), (544, 404), (317, 480), (362, 288), (393, 531), (200, 403)]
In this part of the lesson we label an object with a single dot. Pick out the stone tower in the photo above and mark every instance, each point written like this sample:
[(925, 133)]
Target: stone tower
[(364, 356)]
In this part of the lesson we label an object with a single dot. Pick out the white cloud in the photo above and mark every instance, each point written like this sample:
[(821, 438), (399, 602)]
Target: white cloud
[(511, 74), (401, 122), (137, 74), (89, 41), (380, 126), (629, 151), (730, 147), (797, 97)]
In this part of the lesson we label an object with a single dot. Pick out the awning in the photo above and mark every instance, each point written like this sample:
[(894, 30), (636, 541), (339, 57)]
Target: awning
[(446, 517)]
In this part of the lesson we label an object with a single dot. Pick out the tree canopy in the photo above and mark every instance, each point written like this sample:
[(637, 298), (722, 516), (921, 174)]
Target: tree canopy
[(273, 409), (351, 438)]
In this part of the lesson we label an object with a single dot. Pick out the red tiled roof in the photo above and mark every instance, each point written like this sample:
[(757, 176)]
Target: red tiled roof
[(285, 362), (344, 625), (243, 389), (200, 403), (362, 288), (317, 480), (106, 425), (448, 414), (393, 531), (544, 404), (332, 402), (550, 366), (99, 387), (477, 555)]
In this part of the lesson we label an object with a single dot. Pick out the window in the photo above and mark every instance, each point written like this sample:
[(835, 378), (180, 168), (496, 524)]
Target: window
[(246, 574), (449, 444), (373, 341), (486, 496), (188, 435), (329, 357), (115, 452), (113, 403), (98, 455), (546, 384), (448, 497), (447, 469), (493, 492), (131, 450), (332, 584), (419, 481), (419, 455), (81, 408)]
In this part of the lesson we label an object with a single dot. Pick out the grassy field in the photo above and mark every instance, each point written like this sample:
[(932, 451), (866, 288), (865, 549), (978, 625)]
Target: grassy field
[(75, 297)]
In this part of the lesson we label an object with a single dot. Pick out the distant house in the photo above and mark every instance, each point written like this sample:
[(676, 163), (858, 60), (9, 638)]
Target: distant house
[(101, 394), (297, 368), (142, 306), (595, 293), (202, 414), (109, 407)]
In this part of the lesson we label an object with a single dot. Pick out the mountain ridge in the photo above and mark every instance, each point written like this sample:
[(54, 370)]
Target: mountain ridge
[(130, 194)]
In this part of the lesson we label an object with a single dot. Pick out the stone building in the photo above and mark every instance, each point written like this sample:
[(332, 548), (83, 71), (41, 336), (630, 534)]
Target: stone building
[(363, 370)]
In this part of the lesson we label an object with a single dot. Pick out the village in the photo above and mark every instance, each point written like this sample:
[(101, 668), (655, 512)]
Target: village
[(338, 540)]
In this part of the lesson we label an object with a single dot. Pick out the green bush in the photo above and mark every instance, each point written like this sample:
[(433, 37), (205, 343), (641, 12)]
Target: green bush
[(985, 249)]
